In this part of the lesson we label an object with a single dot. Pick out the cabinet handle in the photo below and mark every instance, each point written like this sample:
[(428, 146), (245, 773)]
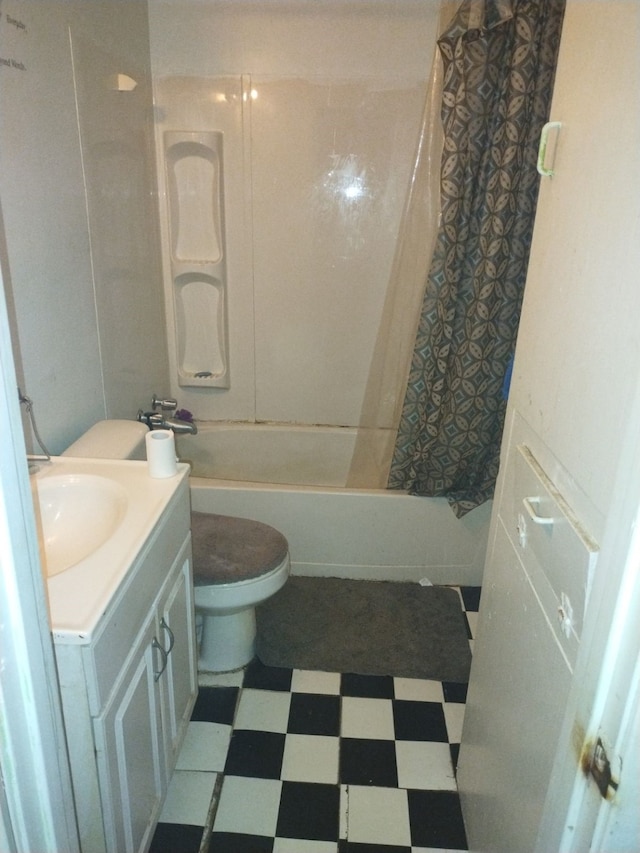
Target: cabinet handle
[(163, 654), (172, 639), (530, 505)]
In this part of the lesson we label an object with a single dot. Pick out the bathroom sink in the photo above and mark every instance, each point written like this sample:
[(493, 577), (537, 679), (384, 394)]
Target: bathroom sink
[(75, 515), (94, 519)]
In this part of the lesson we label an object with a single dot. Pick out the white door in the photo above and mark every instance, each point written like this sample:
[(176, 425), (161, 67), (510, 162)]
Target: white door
[(36, 809)]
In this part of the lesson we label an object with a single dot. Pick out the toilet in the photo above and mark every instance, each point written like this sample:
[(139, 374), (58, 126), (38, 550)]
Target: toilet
[(237, 562), (111, 439)]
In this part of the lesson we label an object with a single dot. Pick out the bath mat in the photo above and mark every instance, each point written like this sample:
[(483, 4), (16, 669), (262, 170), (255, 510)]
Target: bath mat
[(365, 627)]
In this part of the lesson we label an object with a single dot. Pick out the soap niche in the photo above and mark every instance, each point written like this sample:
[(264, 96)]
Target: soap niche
[(201, 330), (195, 201)]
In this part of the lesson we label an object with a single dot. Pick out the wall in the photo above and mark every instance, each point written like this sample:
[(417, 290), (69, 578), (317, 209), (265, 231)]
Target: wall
[(321, 105), (578, 347), (80, 261)]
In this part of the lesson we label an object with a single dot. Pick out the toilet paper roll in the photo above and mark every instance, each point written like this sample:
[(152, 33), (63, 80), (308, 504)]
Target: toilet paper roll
[(161, 453)]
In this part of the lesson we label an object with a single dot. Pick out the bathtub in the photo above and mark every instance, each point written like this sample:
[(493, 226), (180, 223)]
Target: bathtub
[(270, 453), (333, 531)]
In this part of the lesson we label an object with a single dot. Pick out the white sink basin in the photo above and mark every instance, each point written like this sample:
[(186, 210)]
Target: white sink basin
[(94, 518), (75, 515)]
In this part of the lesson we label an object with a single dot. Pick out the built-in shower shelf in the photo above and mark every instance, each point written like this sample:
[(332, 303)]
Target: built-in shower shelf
[(195, 205), (199, 299)]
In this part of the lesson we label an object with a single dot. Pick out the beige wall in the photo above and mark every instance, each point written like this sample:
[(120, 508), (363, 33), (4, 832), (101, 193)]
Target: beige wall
[(81, 256), (578, 345)]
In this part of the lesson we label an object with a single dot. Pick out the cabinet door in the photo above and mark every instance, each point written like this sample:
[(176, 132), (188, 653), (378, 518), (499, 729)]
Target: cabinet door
[(504, 766), (176, 632), (129, 749)]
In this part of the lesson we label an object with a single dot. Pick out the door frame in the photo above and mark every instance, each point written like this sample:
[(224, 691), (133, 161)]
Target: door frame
[(37, 810)]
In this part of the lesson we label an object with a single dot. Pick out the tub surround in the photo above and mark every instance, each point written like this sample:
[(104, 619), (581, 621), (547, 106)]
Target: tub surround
[(302, 203)]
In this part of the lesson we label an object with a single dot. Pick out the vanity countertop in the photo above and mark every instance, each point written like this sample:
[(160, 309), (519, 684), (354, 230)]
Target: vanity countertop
[(79, 595)]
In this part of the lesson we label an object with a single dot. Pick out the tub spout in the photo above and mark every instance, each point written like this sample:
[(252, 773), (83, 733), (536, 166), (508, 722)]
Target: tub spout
[(180, 427)]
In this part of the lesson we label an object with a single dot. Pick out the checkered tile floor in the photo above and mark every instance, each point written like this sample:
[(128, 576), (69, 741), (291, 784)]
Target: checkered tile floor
[(293, 761)]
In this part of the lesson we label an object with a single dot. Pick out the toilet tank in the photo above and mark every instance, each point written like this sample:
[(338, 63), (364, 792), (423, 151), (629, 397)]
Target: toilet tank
[(111, 439)]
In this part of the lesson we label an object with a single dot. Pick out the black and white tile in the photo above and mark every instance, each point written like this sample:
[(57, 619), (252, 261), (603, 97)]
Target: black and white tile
[(294, 761)]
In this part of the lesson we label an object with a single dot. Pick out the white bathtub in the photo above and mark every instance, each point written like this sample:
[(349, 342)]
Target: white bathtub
[(270, 453), (371, 534)]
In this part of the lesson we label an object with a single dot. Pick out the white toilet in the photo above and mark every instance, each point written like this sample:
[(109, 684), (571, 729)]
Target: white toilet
[(238, 563), (112, 439)]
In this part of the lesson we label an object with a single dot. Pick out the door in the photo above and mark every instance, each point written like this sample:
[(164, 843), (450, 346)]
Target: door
[(540, 564), (36, 806)]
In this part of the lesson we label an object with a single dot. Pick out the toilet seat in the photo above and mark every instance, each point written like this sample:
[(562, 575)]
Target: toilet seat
[(237, 564), (229, 550)]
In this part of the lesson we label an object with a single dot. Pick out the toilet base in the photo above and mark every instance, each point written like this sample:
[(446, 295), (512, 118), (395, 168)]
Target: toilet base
[(228, 640)]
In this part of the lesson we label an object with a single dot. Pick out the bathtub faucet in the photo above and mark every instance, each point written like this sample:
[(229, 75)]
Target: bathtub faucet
[(156, 420), (180, 427), (181, 422)]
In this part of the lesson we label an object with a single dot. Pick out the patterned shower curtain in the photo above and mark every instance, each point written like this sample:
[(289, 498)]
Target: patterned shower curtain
[(499, 61)]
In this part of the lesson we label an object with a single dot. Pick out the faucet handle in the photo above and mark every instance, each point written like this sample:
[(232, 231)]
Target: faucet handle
[(154, 420), (167, 405)]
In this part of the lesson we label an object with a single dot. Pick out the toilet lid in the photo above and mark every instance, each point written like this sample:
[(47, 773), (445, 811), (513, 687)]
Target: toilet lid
[(228, 549)]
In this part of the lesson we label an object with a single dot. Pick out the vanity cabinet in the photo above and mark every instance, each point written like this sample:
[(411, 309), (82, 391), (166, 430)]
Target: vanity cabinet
[(128, 693)]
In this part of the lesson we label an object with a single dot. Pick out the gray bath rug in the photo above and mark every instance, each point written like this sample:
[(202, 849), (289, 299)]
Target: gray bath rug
[(365, 627)]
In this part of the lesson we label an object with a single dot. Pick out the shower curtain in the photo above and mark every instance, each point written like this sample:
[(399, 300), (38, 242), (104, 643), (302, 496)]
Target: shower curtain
[(499, 61)]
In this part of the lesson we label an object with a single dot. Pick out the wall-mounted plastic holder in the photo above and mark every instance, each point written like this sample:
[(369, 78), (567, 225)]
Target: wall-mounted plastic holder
[(195, 202), (543, 169), (200, 320)]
